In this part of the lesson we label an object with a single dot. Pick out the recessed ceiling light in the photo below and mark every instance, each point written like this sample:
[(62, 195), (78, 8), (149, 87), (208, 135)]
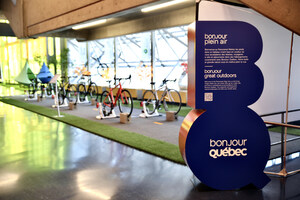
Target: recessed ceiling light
[(163, 5), (94, 23)]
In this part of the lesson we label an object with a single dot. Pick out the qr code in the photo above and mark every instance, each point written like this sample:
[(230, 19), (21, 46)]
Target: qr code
[(208, 96)]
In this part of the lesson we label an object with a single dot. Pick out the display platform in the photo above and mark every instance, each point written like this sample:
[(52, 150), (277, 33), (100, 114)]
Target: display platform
[(156, 127)]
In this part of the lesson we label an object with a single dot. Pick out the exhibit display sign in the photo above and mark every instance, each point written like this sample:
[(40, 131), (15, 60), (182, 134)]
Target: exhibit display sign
[(225, 143)]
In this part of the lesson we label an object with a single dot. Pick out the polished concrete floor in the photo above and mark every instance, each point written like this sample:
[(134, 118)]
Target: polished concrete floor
[(42, 158)]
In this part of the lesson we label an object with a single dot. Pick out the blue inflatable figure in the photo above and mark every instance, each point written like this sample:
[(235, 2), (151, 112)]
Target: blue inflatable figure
[(45, 75)]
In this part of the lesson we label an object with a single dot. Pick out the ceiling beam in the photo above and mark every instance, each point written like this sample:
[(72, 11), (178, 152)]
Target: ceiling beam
[(92, 11), (5, 30), (13, 11), (163, 20), (284, 12)]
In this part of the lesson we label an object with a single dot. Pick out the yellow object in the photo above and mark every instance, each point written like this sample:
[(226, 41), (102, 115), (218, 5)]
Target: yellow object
[(143, 71), (82, 71)]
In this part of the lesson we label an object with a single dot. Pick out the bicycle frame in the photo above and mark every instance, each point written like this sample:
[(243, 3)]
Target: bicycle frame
[(170, 99), (118, 94), (85, 80), (64, 85), (165, 92), (87, 84)]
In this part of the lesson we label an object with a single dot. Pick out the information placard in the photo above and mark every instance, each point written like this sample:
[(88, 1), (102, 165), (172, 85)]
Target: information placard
[(225, 143), (225, 71)]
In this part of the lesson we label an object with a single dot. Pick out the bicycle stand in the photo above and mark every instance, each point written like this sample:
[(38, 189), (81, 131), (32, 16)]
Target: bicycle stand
[(85, 100), (102, 116), (45, 95), (58, 106), (54, 80), (145, 114), (65, 104), (34, 98), (49, 96)]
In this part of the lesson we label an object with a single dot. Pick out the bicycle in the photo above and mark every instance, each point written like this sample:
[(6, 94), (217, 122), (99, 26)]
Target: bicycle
[(50, 89), (47, 89), (66, 91), (123, 98), (33, 88), (36, 86), (170, 99), (102, 66), (90, 89)]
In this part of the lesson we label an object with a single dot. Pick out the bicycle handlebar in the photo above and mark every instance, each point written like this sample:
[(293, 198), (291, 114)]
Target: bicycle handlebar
[(119, 79), (129, 78), (63, 77), (165, 80)]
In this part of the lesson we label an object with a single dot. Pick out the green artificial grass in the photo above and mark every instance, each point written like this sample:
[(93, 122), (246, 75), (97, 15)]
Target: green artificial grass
[(292, 131), (183, 111), (156, 147)]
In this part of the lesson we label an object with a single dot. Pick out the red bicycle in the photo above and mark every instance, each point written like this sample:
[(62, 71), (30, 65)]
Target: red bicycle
[(123, 98)]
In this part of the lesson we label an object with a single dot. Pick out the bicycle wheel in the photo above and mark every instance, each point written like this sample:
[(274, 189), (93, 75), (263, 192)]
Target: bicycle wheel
[(61, 96), (72, 93), (43, 91), (107, 104), (125, 102), (31, 90), (81, 91), (172, 101), (93, 91), (49, 89), (150, 101)]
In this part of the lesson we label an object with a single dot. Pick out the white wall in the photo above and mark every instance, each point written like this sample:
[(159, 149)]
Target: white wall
[(274, 61)]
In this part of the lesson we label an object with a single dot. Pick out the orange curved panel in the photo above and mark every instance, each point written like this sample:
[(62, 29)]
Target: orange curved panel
[(185, 127)]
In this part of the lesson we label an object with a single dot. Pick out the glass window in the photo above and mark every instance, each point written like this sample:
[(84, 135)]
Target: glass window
[(77, 59), (171, 56), (134, 58), (101, 60)]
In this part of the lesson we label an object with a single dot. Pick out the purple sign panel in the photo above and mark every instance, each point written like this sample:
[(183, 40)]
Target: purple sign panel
[(227, 144)]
